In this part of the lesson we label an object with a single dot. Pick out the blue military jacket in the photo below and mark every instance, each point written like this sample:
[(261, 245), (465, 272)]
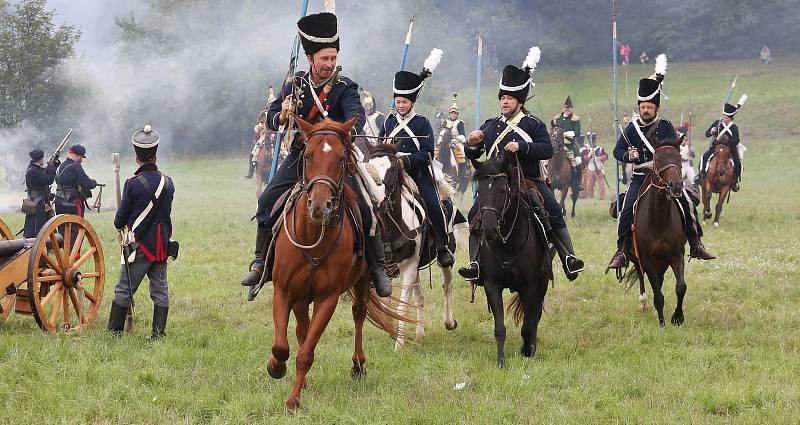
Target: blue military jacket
[(38, 180), (71, 176), (529, 153), (663, 130), (733, 134), (156, 225), (419, 149), (342, 103)]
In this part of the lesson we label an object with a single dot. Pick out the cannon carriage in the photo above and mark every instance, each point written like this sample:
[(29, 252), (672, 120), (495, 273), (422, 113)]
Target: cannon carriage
[(57, 277)]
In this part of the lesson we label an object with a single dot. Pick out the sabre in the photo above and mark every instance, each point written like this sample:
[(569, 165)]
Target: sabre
[(123, 244), (287, 131)]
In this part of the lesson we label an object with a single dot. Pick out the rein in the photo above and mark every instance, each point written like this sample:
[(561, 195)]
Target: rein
[(661, 184)]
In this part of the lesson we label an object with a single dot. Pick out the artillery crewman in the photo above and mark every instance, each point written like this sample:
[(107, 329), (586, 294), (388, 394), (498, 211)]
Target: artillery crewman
[(518, 132), (632, 147), (729, 134), (73, 186), (571, 125), (261, 135), (38, 179), (415, 150), (145, 212), (321, 93)]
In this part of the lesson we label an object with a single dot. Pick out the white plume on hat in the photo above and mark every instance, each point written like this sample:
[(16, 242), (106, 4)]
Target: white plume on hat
[(433, 59), (330, 6), (534, 55), (661, 64), (742, 100)]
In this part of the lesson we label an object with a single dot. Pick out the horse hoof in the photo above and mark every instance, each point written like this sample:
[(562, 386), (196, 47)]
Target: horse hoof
[(704, 222), (292, 404), (716, 224), (501, 362), (358, 371), (677, 320), (276, 369), (451, 326), (528, 350)]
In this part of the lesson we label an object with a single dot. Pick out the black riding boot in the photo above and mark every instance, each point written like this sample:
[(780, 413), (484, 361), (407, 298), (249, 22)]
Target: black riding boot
[(443, 255), (563, 243), (377, 270), (696, 248), (472, 271), (252, 168), (263, 239), (159, 322), (116, 320)]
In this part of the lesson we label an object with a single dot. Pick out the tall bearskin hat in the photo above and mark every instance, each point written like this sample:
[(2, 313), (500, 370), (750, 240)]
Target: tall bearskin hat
[(517, 82), (650, 88), (145, 143), (318, 31), (408, 84)]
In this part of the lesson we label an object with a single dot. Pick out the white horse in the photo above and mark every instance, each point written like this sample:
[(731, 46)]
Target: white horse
[(408, 222)]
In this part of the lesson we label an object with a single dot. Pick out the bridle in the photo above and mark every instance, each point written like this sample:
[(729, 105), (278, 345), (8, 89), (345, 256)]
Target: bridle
[(659, 182), (507, 199)]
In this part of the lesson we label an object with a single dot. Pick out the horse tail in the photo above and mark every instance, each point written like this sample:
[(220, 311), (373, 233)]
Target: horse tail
[(516, 308), (384, 312)]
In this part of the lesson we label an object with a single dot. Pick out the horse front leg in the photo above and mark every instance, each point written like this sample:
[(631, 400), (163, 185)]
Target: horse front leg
[(276, 366), (494, 297), (323, 310), (300, 311), (408, 274), (563, 199), (678, 267), (447, 287), (706, 201), (723, 195), (419, 303), (574, 201), (656, 281), (359, 314)]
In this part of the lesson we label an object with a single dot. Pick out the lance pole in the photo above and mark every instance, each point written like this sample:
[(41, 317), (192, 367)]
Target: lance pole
[(478, 83), (292, 65), (727, 99), (406, 45), (616, 93)]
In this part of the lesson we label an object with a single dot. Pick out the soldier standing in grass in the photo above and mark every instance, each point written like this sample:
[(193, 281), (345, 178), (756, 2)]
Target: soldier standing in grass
[(145, 213)]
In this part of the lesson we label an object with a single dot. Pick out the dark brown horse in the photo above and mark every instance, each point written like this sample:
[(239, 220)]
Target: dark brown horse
[(719, 179), (658, 233), (264, 161), (559, 170), (316, 260), (512, 252)]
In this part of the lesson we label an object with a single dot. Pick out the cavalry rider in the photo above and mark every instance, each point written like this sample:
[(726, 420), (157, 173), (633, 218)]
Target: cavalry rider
[(261, 136), (73, 186), (633, 147), (145, 210), (458, 138), (38, 179), (571, 125), (415, 145), (321, 94), (517, 131), (375, 118), (730, 129)]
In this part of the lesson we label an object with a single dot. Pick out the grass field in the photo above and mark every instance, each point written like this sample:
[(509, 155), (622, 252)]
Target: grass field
[(736, 360)]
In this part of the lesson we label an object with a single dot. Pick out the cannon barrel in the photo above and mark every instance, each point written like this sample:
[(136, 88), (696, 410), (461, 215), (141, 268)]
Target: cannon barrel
[(9, 248)]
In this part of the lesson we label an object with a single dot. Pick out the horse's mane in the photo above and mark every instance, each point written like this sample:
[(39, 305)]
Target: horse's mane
[(671, 141), (335, 126), (382, 149), (487, 168)]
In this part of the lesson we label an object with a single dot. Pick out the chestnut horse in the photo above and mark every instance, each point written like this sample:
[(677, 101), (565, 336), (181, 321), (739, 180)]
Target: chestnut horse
[(719, 179), (658, 233), (559, 170), (264, 161), (315, 256)]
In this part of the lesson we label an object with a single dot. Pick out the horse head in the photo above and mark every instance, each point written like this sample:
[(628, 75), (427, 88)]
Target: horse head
[(325, 161), (556, 137), (667, 165), (497, 183), (384, 159)]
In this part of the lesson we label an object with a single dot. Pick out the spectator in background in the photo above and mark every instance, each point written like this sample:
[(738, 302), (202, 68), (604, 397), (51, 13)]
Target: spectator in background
[(626, 54), (643, 58), (765, 57)]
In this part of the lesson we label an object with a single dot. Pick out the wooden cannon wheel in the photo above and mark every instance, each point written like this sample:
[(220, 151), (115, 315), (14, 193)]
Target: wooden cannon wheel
[(6, 302), (65, 282)]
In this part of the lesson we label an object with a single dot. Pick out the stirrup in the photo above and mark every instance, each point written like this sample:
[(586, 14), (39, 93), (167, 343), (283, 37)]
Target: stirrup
[(566, 264), (464, 271)]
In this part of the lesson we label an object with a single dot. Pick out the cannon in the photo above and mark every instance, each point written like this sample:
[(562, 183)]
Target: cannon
[(57, 277)]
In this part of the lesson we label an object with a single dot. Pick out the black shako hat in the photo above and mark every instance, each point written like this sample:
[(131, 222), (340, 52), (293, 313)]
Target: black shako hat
[(649, 91), (407, 84), (36, 154), (516, 82), (318, 31), (145, 143)]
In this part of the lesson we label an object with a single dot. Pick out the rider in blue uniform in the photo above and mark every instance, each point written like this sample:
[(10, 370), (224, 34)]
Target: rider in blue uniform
[(522, 134), (415, 145), (726, 128), (320, 95), (632, 149)]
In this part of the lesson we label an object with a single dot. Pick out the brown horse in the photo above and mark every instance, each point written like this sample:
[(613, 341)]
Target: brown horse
[(264, 161), (315, 256), (559, 170), (719, 179), (658, 232)]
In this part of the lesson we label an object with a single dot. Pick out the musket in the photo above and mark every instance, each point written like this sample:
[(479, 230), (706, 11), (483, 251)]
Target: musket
[(727, 99), (123, 244), (61, 145)]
